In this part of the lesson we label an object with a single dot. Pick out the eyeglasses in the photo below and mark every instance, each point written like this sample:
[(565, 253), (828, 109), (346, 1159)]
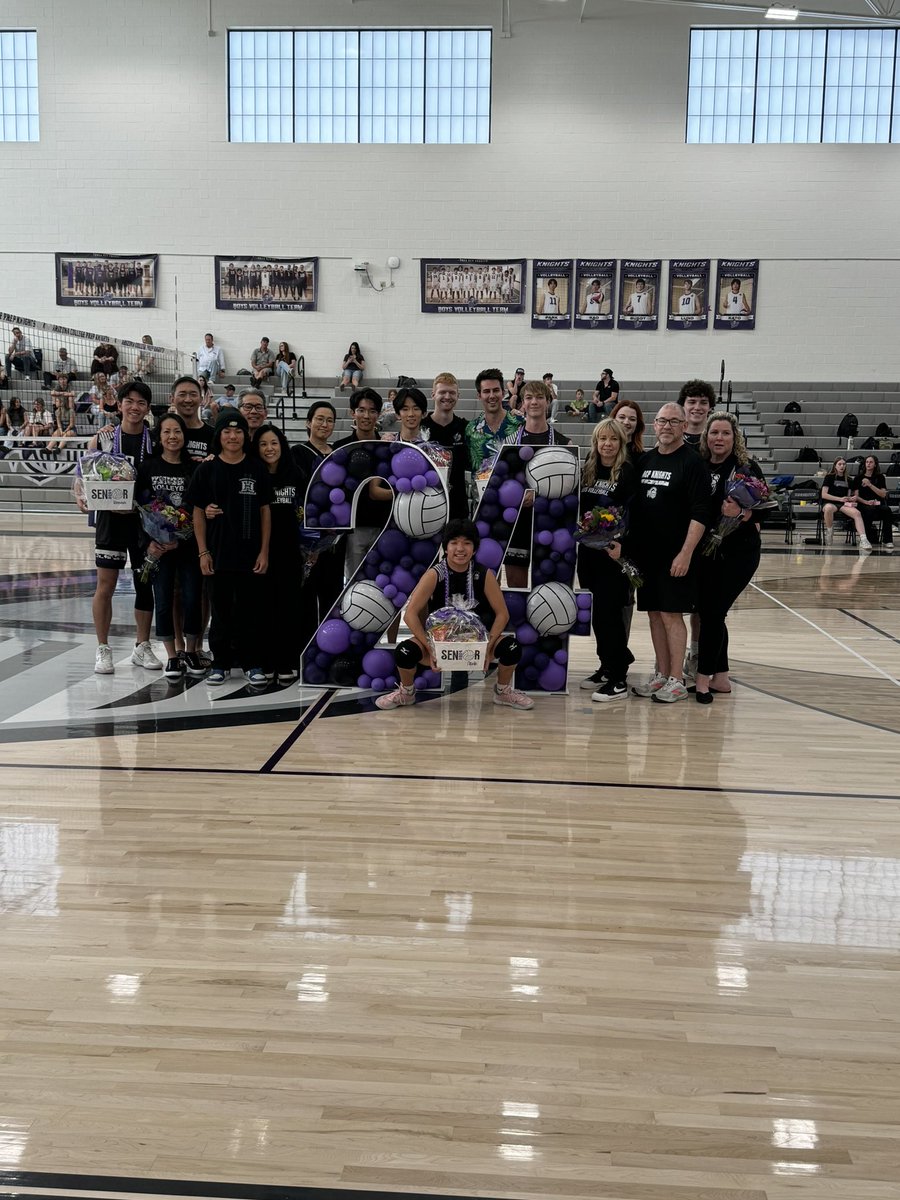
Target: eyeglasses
[(253, 408), (668, 421)]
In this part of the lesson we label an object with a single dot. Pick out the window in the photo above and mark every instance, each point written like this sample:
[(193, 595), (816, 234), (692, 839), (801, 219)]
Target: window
[(18, 86), (386, 86), (793, 85)]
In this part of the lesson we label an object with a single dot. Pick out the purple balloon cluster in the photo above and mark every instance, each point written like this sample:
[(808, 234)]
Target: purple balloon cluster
[(330, 495)]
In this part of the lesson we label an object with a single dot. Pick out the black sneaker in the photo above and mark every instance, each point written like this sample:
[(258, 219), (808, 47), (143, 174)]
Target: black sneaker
[(174, 668), (593, 681), (192, 664), (610, 691)]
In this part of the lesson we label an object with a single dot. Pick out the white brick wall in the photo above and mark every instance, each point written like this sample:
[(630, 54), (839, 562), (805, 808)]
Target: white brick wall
[(588, 158)]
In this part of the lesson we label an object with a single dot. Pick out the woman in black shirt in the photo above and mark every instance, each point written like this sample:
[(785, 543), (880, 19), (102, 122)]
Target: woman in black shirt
[(284, 578), (723, 576), (870, 487), (838, 495), (608, 481)]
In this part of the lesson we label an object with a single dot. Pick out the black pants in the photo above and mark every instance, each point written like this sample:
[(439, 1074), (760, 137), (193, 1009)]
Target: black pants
[(872, 516), (610, 606), (721, 581), (182, 566), (286, 600), (238, 618)]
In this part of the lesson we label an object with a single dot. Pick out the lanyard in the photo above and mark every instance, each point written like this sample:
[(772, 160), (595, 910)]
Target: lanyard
[(550, 441), (470, 585)]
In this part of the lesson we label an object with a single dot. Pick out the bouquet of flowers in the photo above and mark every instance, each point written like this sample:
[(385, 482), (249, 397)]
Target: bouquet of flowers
[(163, 522), (312, 542), (598, 528), (748, 491)]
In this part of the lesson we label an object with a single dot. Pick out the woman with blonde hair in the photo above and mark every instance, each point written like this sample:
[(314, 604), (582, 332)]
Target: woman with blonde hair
[(608, 480)]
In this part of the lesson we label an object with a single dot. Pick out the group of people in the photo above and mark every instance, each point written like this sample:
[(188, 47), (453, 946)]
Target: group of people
[(243, 485)]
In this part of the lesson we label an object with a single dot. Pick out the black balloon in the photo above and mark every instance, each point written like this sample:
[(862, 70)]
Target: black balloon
[(345, 670)]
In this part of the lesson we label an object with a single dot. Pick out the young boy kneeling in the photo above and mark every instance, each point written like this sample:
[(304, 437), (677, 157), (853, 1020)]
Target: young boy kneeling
[(458, 582)]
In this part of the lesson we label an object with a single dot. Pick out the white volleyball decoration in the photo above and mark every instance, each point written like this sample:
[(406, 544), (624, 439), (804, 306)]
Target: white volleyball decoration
[(364, 606), (552, 472), (552, 608), (421, 514)]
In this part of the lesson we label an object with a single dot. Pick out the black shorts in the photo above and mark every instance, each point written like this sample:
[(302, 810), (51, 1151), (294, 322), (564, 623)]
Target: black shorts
[(117, 540), (661, 592)]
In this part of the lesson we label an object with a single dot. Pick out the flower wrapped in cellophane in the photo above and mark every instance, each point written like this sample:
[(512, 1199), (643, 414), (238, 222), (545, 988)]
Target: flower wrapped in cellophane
[(745, 489), (599, 528)]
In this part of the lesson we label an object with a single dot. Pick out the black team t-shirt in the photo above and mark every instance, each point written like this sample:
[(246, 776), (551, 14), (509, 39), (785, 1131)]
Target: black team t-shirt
[(603, 494), (836, 485), (747, 533), (199, 442), (161, 480), (240, 490), (370, 512), (673, 490), (284, 547), (453, 436)]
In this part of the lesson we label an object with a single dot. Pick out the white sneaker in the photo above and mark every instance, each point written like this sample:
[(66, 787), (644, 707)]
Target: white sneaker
[(652, 686), (142, 656), (690, 665), (103, 663), (827, 537), (673, 690), (864, 544)]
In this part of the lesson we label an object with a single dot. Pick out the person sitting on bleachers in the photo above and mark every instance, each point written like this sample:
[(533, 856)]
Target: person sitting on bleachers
[(106, 359), (262, 362), (62, 365), (838, 495), (64, 414), (20, 354), (40, 422), (871, 491)]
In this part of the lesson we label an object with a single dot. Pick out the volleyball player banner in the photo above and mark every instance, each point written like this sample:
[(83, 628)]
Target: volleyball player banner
[(639, 280), (595, 290), (473, 285), (106, 280), (737, 281), (551, 290), (260, 283), (688, 294)]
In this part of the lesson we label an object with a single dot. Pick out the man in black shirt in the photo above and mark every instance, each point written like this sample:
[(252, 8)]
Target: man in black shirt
[(185, 399), (605, 397), (449, 430), (697, 399), (669, 515), (371, 514)]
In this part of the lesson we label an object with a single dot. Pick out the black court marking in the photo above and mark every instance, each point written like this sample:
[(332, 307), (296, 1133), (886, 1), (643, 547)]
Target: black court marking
[(642, 786), (32, 657), (11, 1181), (883, 632), (315, 709), (825, 712)]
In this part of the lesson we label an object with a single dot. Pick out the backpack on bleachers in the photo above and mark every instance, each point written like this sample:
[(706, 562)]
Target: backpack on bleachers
[(883, 430), (894, 468), (870, 444), (807, 454), (792, 406), (792, 428), (849, 426)]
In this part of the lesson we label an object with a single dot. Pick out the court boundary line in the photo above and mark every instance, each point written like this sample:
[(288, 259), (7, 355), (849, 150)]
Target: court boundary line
[(312, 713), (493, 779), (884, 633)]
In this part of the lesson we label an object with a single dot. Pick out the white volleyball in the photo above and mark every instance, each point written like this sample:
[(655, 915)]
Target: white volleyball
[(364, 606), (551, 608), (553, 472), (421, 514)]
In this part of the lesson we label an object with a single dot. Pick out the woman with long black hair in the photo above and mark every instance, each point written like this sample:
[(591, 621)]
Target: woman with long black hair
[(871, 491), (724, 575)]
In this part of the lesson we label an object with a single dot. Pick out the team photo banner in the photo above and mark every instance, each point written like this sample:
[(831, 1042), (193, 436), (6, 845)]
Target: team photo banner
[(473, 285), (737, 282), (688, 294), (258, 282), (639, 293), (551, 291), (106, 280), (595, 289)]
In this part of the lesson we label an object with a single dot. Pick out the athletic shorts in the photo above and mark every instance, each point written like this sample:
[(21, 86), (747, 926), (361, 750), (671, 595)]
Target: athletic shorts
[(661, 592), (117, 539)]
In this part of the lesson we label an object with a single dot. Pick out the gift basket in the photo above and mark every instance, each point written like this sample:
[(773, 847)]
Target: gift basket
[(458, 639), (104, 480)]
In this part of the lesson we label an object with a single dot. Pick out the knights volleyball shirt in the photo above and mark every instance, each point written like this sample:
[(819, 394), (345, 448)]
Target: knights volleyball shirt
[(161, 480), (240, 490), (199, 442), (673, 490)]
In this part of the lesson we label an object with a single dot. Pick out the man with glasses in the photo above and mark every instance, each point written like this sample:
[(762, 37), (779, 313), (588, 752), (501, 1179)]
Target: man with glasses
[(669, 515), (252, 408)]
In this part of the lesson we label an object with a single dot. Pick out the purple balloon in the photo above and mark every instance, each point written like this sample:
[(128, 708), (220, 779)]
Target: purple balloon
[(501, 469), (400, 599), (378, 662), (334, 637), (310, 515), (419, 483), (432, 479), (322, 660), (491, 494), (583, 599), (557, 509), (483, 528), (571, 502), (406, 463), (531, 674), (364, 681), (314, 675), (547, 568), (489, 554), (404, 485), (336, 495), (419, 683), (552, 678), (510, 515), (527, 634), (582, 629), (390, 591), (406, 562), (418, 571), (341, 513), (382, 580), (422, 552), (511, 493), (432, 679), (390, 682), (378, 684), (332, 473), (357, 638), (392, 480), (526, 453), (561, 657), (541, 504), (563, 540), (520, 478), (541, 660), (327, 521), (403, 580), (392, 545), (545, 537)]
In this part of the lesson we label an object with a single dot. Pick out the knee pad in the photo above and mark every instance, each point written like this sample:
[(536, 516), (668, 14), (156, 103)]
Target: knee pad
[(408, 654), (509, 652)]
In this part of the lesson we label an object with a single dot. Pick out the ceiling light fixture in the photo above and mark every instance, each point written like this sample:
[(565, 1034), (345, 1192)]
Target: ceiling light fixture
[(779, 12)]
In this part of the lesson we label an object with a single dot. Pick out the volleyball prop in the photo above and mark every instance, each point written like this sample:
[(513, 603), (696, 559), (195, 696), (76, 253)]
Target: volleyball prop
[(422, 513), (366, 608), (552, 472), (552, 608)]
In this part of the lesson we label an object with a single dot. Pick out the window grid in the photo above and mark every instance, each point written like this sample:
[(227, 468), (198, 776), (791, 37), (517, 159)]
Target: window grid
[(19, 120), (406, 86), (793, 85)]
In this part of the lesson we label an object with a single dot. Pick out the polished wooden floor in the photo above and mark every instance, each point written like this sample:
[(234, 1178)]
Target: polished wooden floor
[(619, 952)]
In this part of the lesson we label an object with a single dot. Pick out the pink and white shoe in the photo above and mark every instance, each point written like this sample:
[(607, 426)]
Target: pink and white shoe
[(397, 699), (511, 698)]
